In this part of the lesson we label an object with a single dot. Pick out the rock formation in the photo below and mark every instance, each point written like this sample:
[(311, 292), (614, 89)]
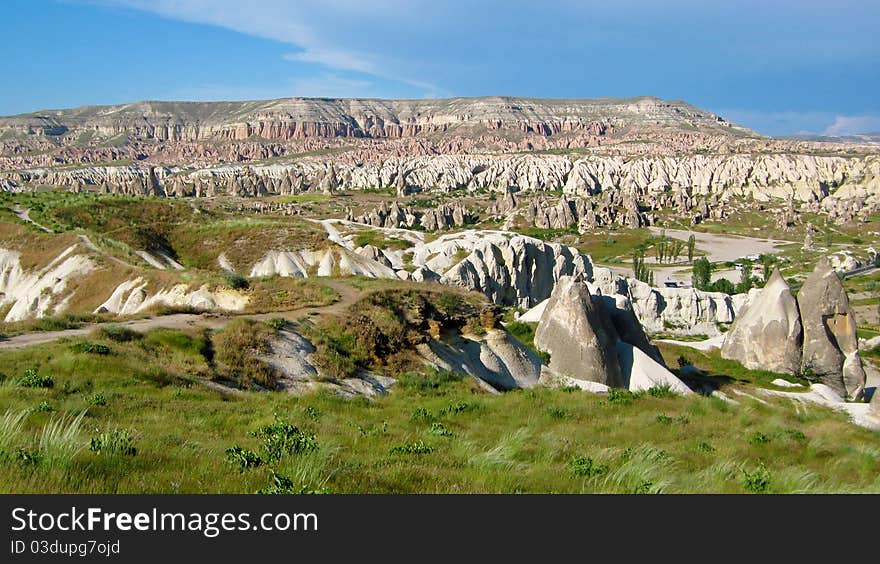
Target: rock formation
[(831, 347), (767, 335), (595, 338), (578, 335)]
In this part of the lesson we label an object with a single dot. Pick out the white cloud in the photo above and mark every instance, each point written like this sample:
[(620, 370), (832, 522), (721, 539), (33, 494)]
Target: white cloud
[(850, 125), (305, 24)]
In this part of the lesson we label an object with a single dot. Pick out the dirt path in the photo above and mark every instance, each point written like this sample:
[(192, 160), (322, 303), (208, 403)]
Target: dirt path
[(724, 248), (347, 296), (25, 215)]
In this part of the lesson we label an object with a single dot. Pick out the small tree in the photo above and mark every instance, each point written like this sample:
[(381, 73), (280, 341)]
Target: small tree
[(691, 247), (746, 282), (702, 273), (640, 271)]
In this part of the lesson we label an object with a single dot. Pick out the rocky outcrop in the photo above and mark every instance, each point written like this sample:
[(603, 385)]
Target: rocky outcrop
[(597, 339), (135, 296), (579, 336), (27, 294), (619, 191), (768, 334), (298, 118), (396, 216), (495, 358), (831, 348), (510, 269)]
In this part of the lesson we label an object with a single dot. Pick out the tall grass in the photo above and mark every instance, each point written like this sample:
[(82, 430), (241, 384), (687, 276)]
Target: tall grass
[(61, 439), (11, 425)]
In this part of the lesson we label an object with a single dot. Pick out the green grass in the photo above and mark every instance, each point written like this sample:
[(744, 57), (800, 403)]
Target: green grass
[(380, 240), (160, 430), (721, 370)]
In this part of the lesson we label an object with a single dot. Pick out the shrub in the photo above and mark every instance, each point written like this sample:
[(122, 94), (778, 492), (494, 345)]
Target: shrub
[(279, 484), (26, 457), (757, 481), (32, 379), (280, 438), (664, 391), (439, 429), (667, 420), (620, 396), (423, 414), (413, 448), (558, 412), (243, 458), (758, 438), (235, 281), (114, 442), (276, 323), (91, 348), (44, 407), (586, 467), (705, 447), (119, 334), (458, 407), (98, 400)]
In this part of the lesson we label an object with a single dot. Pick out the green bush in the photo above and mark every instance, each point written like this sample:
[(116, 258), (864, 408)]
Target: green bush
[(705, 447), (280, 438), (235, 281), (98, 400), (439, 429), (114, 442), (119, 333), (586, 467), (663, 391), (276, 323), (91, 348), (32, 379), (279, 484), (413, 448), (557, 412), (457, 407), (759, 438), (620, 396), (44, 407), (243, 458), (757, 481)]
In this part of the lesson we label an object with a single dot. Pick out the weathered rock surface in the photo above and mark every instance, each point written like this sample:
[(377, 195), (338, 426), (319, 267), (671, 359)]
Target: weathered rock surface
[(830, 350), (597, 338), (495, 358), (768, 334), (134, 296), (39, 292), (845, 188), (641, 372), (578, 335)]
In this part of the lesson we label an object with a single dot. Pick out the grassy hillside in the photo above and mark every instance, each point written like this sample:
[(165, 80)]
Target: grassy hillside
[(131, 413)]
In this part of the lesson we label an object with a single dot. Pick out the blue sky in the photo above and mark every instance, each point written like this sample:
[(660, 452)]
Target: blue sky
[(778, 66)]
